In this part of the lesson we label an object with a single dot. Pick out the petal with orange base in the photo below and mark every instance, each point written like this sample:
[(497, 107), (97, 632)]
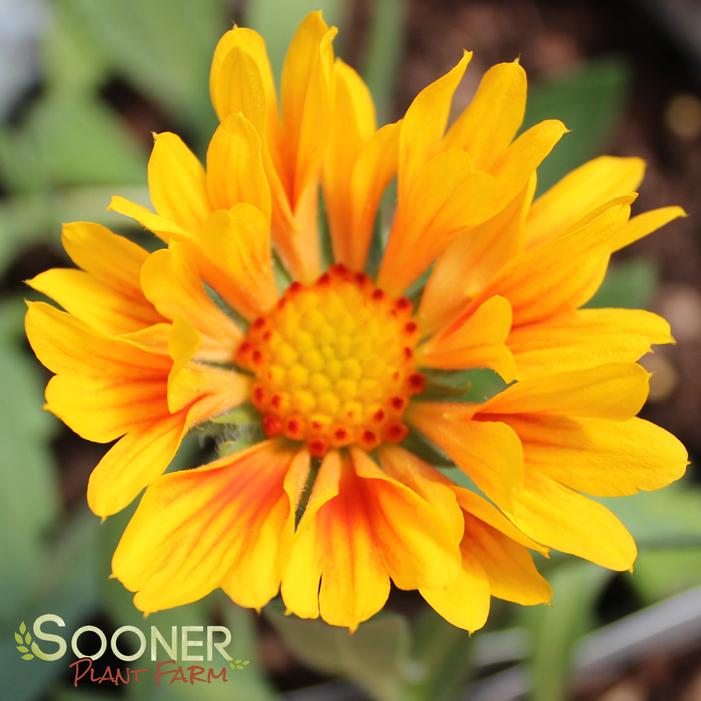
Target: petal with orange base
[(361, 528), (194, 529)]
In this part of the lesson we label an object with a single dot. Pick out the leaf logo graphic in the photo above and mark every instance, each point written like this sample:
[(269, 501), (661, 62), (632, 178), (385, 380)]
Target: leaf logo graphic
[(238, 665), (23, 638)]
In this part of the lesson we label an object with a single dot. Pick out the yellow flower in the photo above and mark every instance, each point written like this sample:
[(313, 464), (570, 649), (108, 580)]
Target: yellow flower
[(354, 370)]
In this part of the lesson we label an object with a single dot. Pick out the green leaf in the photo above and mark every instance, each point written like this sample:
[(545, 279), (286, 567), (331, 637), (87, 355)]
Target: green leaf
[(28, 656), (440, 659), (385, 49), (71, 59), (668, 518), (631, 284), (18, 638), (277, 22), (28, 502), (33, 217), (590, 102), (22, 627), (68, 140), (22, 648), (376, 656), (162, 47), (556, 629)]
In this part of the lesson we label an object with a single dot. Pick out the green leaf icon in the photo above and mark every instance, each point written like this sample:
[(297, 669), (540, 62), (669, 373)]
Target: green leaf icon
[(23, 638)]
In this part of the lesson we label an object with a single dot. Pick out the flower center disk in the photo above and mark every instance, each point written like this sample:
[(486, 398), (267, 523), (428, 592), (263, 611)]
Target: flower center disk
[(334, 363)]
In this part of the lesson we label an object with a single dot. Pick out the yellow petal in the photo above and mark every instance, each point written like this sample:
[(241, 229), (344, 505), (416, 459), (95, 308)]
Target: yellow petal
[(465, 601), (103, 409), (564, 520), (241, 80), (96, 303), (176, 182), (523, 156), (360, 528), (490, 122), (334, 545), (255, 577), (558, 276), (237, 259), (206, 389), (193, 528), (479, 342), (508, 565), (112, 259), (306, 89), (583, 190), (66, 345), (170, 280), (584, 338), (426, 481), (425, 121), (235, 170), (446, 197), (135, 461), (613, 391), (353, 123), (164, 228), (644, 224), (472, 259), (599, 456), (375, 166), (488, 452)]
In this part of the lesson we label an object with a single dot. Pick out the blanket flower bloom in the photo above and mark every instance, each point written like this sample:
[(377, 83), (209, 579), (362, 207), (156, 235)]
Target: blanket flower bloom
[(360, 455)]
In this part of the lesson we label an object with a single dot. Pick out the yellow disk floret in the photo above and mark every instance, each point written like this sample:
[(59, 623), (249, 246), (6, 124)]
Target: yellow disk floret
[(334, 363)]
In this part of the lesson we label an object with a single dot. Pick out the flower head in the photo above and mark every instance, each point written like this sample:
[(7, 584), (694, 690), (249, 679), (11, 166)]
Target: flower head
[(355, 371)]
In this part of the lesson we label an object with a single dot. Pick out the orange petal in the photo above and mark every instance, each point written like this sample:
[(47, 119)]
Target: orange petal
[(194, 529), (489, 123), (472, 259)]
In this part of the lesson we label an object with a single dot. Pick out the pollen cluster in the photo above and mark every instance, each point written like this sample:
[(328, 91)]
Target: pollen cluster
[(334, 363)]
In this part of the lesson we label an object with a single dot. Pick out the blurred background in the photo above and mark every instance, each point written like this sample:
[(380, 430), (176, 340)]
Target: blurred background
[(83, 83)]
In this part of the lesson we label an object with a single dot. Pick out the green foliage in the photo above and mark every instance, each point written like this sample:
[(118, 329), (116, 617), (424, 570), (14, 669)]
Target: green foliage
[(555, 630), (631, 284), (376, 656), (162, 47), (384, 53), (589, 101)]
